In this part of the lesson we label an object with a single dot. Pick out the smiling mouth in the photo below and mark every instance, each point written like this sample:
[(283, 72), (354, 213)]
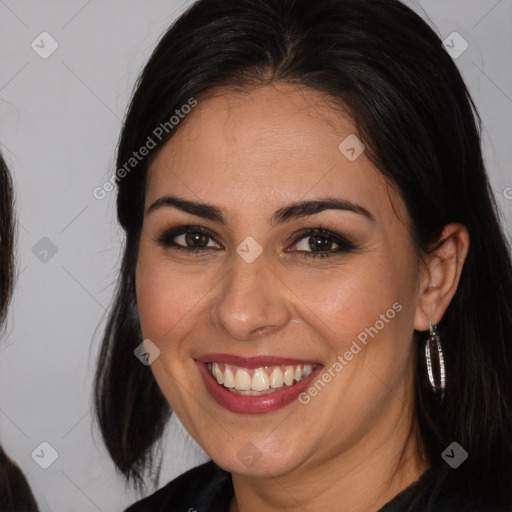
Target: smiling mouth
[(258, 381)]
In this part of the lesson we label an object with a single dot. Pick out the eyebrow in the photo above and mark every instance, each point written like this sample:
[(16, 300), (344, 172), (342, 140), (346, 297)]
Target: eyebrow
[(294, 210)]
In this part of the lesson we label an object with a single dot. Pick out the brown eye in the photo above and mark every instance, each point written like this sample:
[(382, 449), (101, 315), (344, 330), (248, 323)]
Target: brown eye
[(187, 238), (196, 239), (319, 242)]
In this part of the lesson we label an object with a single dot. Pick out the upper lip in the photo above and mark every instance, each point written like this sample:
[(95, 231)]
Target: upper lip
[(252, 362)]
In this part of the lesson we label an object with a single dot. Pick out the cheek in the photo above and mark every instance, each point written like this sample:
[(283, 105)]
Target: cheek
[(348, 304), (167, 299), (169, 302)]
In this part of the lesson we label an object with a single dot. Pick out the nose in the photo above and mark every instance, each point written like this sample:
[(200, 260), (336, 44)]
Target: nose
[(251, 301)]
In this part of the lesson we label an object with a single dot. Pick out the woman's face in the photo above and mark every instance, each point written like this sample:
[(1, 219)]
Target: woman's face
[(262, 295)]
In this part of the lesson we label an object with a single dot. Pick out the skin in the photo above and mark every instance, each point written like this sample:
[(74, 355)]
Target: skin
[(249, 154)]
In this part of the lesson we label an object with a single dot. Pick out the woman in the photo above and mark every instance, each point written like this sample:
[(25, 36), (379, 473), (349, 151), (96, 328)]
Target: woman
[(15, 493), (314, 262)]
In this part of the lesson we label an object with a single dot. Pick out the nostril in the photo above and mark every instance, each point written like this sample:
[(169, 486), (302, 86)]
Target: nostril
[(264, 331)]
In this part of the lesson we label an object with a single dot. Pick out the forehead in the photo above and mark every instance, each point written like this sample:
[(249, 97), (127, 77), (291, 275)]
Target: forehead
[(260, 124), (266, 144)]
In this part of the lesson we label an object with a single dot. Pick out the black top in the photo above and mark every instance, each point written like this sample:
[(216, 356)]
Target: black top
[(208, 488)]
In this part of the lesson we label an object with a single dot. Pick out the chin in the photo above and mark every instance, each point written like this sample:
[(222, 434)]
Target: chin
[(251, 460)]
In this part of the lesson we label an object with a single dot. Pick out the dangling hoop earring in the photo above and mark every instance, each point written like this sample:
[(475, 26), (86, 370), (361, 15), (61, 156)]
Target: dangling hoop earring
[(435, 360)]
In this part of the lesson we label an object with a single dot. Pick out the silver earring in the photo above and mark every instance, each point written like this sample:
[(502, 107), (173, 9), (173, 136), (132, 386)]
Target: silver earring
[(435, 360)]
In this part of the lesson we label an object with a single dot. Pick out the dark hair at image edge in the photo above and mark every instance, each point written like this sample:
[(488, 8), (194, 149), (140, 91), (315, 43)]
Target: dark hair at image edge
[(6, 240), (15, 493), (383, 63)]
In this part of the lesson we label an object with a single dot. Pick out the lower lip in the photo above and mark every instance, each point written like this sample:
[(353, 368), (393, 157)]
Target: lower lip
[(254, 404)]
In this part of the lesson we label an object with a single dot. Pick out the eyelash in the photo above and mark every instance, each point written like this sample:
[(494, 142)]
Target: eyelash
[(344, 245)]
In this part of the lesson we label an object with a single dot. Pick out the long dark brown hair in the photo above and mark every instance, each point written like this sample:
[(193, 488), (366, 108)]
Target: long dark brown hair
[(387, 66), (15, 493), (6, 239)]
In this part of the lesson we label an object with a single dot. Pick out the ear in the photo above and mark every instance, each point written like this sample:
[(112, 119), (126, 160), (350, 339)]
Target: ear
[(440, 274)]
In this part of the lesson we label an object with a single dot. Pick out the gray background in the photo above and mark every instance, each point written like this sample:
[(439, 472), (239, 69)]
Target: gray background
[(60, 119)]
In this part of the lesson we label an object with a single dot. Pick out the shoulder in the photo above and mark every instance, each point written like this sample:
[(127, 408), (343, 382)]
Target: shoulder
[(457, 496), (439, 490), (203, 488)]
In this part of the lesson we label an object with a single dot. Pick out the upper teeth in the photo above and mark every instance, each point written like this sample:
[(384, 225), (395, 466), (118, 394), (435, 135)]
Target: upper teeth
[(261, 379)]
